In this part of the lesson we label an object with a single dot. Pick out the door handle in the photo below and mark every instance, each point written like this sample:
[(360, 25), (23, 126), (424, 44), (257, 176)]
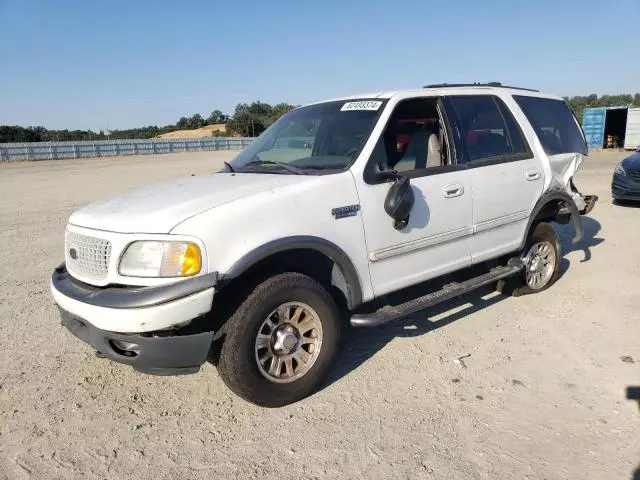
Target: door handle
[(452, 190), (532, 175)]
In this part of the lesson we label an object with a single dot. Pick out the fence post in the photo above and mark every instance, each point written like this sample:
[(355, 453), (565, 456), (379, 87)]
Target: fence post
[(75, 150), (51, 152), (115, 148), (29, 152), (95, 151), (135, 148), (228, 148)]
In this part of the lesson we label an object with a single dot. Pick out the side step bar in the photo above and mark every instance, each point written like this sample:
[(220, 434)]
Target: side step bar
[(449, 291)]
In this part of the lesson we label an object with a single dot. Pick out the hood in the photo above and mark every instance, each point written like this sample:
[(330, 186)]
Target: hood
[(632, 162), (160, 207)]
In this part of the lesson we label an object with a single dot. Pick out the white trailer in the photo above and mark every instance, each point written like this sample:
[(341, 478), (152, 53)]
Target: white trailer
[(632, 134)]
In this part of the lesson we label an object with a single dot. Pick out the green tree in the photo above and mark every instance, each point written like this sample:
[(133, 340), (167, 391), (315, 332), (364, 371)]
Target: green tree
[(279, 110), (196, 121), (15, 133), (253, 119), (246, 124), (217, 117), (579, 103)]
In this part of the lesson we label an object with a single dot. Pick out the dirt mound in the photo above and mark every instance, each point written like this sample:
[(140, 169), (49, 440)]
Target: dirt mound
[(196, 133)]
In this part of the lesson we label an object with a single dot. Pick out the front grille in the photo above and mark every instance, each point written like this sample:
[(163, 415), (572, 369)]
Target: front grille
[(91, 254), (635, 175)]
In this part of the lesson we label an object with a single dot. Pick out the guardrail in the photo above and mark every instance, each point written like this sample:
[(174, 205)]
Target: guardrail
[(109, 148)]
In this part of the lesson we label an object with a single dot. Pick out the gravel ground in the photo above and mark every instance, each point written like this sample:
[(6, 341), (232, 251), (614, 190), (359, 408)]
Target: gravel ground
[(540, 393)]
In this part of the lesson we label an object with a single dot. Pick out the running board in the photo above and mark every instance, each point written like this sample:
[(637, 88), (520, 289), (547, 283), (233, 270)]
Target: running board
[(447, 292)]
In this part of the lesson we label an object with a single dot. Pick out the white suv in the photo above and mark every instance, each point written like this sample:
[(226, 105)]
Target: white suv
[(335, 206)]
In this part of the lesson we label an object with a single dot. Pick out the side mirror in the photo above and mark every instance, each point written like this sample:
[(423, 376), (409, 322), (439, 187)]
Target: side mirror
[(399, 202)]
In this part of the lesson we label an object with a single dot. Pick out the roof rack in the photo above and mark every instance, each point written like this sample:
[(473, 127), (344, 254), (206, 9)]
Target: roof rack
[(477, 84)]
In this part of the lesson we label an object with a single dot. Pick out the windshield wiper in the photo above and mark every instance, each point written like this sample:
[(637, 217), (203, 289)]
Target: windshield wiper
[(229, 167), (285, 166)]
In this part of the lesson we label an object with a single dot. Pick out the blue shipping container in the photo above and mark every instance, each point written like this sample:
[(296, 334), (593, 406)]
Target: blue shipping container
[(593, 126)]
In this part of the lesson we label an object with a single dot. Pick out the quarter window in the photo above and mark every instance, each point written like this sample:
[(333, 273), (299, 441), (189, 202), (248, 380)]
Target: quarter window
[(554, 124), (487, 128)]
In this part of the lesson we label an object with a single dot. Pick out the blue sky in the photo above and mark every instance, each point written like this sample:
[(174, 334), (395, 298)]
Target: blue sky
[(120, 64)]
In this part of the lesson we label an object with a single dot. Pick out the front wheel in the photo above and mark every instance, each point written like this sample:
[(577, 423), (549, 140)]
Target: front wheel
[(281, 341)]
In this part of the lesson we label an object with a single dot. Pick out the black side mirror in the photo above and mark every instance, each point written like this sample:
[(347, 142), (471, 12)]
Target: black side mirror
[(399, 202)]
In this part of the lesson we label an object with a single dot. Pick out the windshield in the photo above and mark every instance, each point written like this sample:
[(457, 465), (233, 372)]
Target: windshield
[(321, 138)]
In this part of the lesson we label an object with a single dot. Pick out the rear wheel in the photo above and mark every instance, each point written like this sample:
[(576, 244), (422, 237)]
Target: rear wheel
[(281, 341), (541, 257)]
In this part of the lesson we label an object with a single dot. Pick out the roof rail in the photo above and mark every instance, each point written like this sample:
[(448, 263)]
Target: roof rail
[(477, 84)]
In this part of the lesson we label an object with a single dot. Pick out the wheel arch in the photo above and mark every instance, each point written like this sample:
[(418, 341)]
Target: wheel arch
[(556, 206), (306, 254)]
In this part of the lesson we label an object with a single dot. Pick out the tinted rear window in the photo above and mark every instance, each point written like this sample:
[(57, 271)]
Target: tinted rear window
[(554, 124), (489, 130)]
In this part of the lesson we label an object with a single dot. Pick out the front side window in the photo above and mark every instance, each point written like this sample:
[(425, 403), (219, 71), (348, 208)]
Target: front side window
[(414, 138), (554, 124), (487, 127), (321, 138)]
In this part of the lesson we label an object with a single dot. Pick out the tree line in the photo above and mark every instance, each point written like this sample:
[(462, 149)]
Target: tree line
[(248, 120), (578, 104)]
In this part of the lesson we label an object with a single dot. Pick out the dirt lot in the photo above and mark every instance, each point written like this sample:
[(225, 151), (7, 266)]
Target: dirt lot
[(542, 394)]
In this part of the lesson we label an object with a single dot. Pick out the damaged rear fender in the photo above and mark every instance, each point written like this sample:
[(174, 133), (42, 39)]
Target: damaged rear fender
[(556, 206), (563, 167)]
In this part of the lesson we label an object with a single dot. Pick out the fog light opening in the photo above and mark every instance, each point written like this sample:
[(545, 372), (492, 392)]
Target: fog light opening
[(126, 349)]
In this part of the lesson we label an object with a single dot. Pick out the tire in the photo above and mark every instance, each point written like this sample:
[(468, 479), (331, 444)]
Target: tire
[(543, 234), (269, 320)]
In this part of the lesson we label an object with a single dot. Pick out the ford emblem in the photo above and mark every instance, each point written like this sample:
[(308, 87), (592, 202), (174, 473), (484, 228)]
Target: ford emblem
[(73, 253)]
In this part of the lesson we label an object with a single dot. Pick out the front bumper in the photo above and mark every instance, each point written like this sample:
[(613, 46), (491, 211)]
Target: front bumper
[(147, 320), (624, 188), (157, 355), (134, 309)]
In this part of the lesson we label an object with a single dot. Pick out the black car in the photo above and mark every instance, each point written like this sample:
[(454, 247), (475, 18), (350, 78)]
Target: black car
[(626, 178)]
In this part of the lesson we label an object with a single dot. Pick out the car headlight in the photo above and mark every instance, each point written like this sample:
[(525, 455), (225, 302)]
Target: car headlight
[(161, 259), (620, 169)]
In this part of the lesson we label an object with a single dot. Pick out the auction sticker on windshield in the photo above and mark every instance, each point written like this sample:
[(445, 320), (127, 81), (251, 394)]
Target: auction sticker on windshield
[(366, 105)]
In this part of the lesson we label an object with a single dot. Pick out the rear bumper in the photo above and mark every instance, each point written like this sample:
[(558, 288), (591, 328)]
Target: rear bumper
[(623, 188), (143, 326), (590, 202)]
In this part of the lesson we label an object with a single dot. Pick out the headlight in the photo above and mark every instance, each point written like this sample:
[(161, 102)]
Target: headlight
[(620, 169), (161, 259)]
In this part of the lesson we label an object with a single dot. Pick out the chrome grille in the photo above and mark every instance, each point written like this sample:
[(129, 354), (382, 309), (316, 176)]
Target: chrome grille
[(92, 255), (635, 175)]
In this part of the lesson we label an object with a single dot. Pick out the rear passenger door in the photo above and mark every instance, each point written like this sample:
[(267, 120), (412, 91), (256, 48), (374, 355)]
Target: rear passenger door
[(506, 178)]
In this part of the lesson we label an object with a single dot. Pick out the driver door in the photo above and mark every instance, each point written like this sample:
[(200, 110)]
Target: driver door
[(437, 238)]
